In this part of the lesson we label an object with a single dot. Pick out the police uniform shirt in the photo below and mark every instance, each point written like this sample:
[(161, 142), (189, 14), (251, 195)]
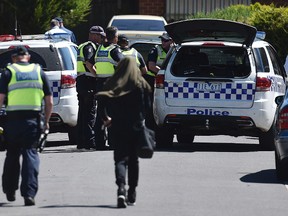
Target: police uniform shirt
[(6, 77), (139, 57), (89, 53)]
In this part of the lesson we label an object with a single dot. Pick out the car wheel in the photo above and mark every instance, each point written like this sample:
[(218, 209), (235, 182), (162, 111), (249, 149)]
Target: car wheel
[(266, 139), (72, 135), (164, 137), (281, 168), (185, 138)]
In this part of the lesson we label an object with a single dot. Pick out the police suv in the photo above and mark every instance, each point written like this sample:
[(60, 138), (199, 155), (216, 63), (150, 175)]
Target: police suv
[(220, 79), (58, 59)]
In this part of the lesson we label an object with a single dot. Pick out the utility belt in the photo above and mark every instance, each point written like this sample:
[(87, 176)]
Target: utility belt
[(22, 115), (88, 74)]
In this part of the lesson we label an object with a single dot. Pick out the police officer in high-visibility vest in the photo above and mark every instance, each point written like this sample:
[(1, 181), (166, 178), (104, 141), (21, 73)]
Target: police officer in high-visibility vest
[(25, 86), (107, 57), (123, 42), (86, 88), (155, 59)]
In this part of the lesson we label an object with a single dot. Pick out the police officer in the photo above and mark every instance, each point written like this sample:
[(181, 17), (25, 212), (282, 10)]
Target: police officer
[(25, 85), (86, 87), (107, 56), (155, 59), (123, 43), (55, 32), (61, 26)]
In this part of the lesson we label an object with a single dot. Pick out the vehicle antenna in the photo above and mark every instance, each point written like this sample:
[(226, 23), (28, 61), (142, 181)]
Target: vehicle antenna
[(16, 30)]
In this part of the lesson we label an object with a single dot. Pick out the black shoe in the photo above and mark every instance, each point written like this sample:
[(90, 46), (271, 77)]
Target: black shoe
[(121, 198), (11, 196), (131, 196), (29, 201), (102, 148)]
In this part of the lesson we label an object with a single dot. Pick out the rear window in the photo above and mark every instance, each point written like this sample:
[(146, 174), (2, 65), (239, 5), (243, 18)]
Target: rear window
[(212, 62), (144, 49), (66, 58), (46, 57), (261, 60), (139, 25)]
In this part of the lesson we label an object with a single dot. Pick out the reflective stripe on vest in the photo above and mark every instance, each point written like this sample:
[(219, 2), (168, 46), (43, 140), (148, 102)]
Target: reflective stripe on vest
[(104, 62), (25, 89), (133, 53), (161, 57), (80, 57)]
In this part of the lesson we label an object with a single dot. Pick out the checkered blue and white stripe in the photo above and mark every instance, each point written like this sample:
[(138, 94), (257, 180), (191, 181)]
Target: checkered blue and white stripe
[(55, 88), (228, 91)]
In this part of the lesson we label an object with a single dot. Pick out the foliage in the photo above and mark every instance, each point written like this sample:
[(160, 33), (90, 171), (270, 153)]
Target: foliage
[(268, 18), (239, 13), (274, 21), (34, 16)]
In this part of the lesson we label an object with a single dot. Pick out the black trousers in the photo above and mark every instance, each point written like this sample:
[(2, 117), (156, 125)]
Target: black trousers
[(100, 134), (125, 156), (22, 136), (87, 111)]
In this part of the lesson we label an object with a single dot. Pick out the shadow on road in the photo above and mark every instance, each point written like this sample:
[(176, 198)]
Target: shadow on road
[(263, 176), (81, 206), (57, 143), (212, 147)]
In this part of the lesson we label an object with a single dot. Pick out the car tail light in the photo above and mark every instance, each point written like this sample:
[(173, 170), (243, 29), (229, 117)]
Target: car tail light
[(263, 84), (67, 81), (13, 47), (283, 119), (159, 81), (7, 38)]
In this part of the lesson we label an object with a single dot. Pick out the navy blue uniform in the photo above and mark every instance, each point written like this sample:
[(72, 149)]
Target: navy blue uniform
[(86, 88), (22, 133)]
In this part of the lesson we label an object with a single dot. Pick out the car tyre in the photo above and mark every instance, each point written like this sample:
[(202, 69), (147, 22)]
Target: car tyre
[(185, 138), (281, 168), (266, 140), (164, 137)]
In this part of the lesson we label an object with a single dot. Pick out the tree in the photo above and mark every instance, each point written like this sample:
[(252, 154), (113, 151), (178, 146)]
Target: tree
[(268, 18), (34, 16)]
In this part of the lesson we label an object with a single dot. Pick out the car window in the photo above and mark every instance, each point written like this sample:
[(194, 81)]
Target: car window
[(46, 57), (218, 62), (66, 58), (139, 25), (261, 60), (143, 48), (274, 60)]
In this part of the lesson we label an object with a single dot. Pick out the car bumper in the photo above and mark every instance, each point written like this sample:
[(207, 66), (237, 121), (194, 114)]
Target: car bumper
[(281, 146)]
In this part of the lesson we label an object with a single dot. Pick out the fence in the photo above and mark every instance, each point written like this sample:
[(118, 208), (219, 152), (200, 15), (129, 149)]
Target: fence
[(181, 9)]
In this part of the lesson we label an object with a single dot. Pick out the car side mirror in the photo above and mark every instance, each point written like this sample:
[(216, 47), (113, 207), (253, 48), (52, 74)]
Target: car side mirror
[(279, 99)]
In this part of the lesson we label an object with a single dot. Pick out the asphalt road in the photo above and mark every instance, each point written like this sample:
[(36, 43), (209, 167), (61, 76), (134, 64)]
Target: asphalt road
[(217, 175)]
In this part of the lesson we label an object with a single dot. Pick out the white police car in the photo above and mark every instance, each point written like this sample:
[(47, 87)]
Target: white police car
[(218, 80), (58, 59)]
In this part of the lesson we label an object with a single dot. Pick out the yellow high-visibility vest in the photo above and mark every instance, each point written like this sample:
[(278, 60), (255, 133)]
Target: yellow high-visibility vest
[(133, 53), (25, 89), (80, 57), (104, 63)]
